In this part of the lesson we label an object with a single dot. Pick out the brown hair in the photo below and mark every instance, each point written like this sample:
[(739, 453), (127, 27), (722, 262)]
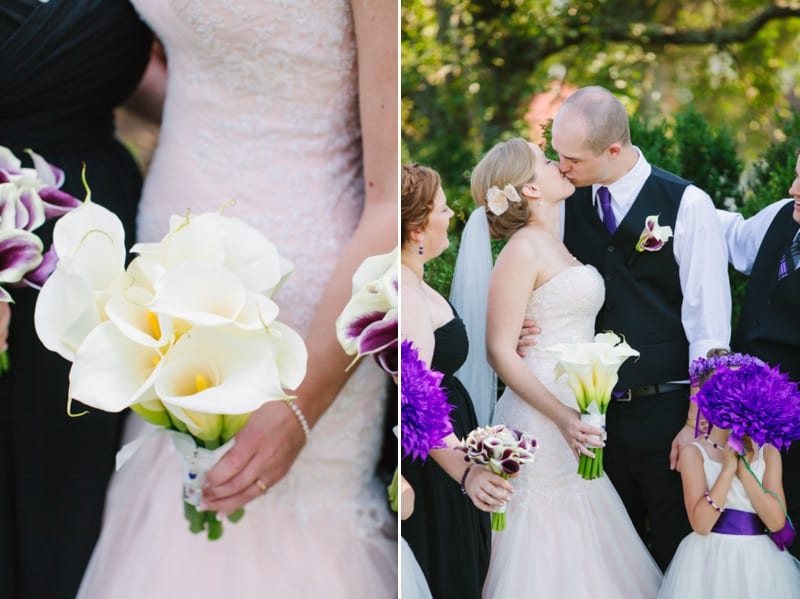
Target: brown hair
[(508, 162), (419, 186)]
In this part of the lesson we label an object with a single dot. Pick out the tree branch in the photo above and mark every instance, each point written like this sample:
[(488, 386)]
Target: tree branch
[(659, 35)]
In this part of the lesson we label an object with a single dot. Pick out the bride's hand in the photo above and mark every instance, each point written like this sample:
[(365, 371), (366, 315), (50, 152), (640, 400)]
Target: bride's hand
[(487, 490), (264, 450), (579, 434)]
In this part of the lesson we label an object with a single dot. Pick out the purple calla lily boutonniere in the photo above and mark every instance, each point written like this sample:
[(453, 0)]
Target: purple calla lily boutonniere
[(653, 236), (28, 198)]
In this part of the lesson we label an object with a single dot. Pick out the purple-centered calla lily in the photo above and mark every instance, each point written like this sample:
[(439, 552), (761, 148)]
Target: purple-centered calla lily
[(20, 252), (653, 236), (28, 197), (368, 323)]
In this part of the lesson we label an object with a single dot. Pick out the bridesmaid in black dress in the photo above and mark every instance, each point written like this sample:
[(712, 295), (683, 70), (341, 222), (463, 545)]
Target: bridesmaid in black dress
[(449, 531), (65, 66)]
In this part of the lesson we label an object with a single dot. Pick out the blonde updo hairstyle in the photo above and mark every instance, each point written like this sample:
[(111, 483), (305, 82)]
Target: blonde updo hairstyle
[(419, 186), (509, 162)]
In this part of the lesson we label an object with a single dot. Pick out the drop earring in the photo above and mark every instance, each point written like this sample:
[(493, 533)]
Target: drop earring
[(421, 249)]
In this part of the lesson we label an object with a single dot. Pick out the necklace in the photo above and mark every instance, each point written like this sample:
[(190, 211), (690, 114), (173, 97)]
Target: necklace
[(714, 444)]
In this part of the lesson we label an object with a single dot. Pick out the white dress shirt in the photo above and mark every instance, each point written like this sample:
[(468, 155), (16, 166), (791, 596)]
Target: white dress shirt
[(744, 237), (700, 252)]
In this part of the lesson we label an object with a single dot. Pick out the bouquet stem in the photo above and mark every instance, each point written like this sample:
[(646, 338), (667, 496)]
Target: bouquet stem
[(5, 362), (591, 468), (499, 515)]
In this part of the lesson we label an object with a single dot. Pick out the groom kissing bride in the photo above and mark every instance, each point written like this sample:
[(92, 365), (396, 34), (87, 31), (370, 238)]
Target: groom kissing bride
[(643, 255)]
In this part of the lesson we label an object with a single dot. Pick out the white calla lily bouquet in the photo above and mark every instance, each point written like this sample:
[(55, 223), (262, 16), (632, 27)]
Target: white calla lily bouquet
[(591, 371), (186, 336)]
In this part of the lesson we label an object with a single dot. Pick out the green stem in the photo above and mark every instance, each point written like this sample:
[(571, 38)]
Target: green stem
[(498, 521), (5, 362), (767, 491), (236, 515), (196, 518), (214, 525)]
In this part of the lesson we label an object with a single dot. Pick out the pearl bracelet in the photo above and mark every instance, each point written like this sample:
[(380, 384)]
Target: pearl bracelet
[(464, 479), (710, 502), (300, 417)]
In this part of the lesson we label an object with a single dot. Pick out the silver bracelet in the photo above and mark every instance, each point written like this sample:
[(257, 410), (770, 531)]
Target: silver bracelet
[(300, 417)]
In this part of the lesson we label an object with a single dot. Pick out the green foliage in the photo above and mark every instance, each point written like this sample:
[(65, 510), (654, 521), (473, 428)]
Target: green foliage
[(708, 158)]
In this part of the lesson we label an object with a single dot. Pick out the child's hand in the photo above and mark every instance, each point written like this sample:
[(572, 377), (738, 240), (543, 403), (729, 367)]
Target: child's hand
[(730, 461)]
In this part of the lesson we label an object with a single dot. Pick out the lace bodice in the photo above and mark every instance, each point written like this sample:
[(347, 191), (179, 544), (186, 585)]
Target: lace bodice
[(564, 308), (261, 108)]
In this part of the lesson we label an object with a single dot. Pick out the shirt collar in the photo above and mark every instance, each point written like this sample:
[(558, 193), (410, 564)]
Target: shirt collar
[(625, 189)]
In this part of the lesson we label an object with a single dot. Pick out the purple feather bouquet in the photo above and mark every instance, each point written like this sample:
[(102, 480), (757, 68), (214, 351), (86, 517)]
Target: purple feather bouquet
[(747, 396), (424, 409), (751, 399), (502, 450)]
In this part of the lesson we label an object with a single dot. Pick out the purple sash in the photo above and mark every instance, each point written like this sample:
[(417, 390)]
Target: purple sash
[(737, 522)]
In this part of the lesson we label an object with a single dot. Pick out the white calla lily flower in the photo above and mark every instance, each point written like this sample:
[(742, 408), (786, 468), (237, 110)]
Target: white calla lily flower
[(110, 371), (241, 372), (66, 312)]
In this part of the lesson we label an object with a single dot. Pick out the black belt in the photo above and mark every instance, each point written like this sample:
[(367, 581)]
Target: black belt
[(649, 390)]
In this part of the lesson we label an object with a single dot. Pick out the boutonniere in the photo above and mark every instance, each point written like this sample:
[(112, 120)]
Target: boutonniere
[(653, 235), (497, 199)]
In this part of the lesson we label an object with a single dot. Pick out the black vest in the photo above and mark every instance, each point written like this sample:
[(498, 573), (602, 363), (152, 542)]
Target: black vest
[(769, 325), (643, 291)]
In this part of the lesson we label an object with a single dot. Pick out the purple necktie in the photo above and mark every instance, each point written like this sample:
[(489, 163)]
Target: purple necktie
[(608, 214), (791, 259)]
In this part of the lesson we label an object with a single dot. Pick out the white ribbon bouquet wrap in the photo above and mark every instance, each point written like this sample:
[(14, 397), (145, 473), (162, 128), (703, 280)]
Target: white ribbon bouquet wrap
[(186, 336), (591, 371)]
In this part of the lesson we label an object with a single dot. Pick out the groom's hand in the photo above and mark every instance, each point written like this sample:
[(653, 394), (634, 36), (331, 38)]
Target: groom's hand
[(264, 450), (526, 336), (682, 439)]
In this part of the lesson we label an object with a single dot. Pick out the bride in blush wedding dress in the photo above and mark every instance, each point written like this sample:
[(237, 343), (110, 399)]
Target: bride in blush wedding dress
[(565, 536), (267, 104)]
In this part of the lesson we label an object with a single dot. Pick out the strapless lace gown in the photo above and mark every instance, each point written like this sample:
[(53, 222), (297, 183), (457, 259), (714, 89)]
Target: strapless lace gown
[(565, 536), (722, 566), (261, 108)]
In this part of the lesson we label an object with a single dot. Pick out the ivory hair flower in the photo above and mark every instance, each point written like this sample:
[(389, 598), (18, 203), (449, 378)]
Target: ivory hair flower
[(653, 235), (497, 199)]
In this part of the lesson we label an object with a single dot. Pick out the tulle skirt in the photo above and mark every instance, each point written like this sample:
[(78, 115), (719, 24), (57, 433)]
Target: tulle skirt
[(719, 566), (577, 543), (286, 545)]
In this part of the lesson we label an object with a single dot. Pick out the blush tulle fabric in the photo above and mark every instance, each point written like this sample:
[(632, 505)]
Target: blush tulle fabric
[(565, 536), (261, 109)]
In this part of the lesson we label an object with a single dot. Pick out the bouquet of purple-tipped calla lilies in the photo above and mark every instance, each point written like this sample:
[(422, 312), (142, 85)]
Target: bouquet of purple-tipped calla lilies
[(29, 197)]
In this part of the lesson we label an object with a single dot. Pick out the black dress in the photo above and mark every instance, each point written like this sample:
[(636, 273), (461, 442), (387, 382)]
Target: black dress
[(66, 65), (449, 536)]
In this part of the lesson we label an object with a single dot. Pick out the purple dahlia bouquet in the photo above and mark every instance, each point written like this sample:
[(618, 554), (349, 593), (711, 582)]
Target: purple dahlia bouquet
[(752, 399), (28, 198), (502, 450), (424, 409)]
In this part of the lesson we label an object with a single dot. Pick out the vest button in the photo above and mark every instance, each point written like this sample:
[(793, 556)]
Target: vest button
[(755, 323), (769, 301), (609, 277), (611, 249)]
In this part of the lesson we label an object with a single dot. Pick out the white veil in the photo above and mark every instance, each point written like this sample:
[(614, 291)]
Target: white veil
[(469, 293)]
